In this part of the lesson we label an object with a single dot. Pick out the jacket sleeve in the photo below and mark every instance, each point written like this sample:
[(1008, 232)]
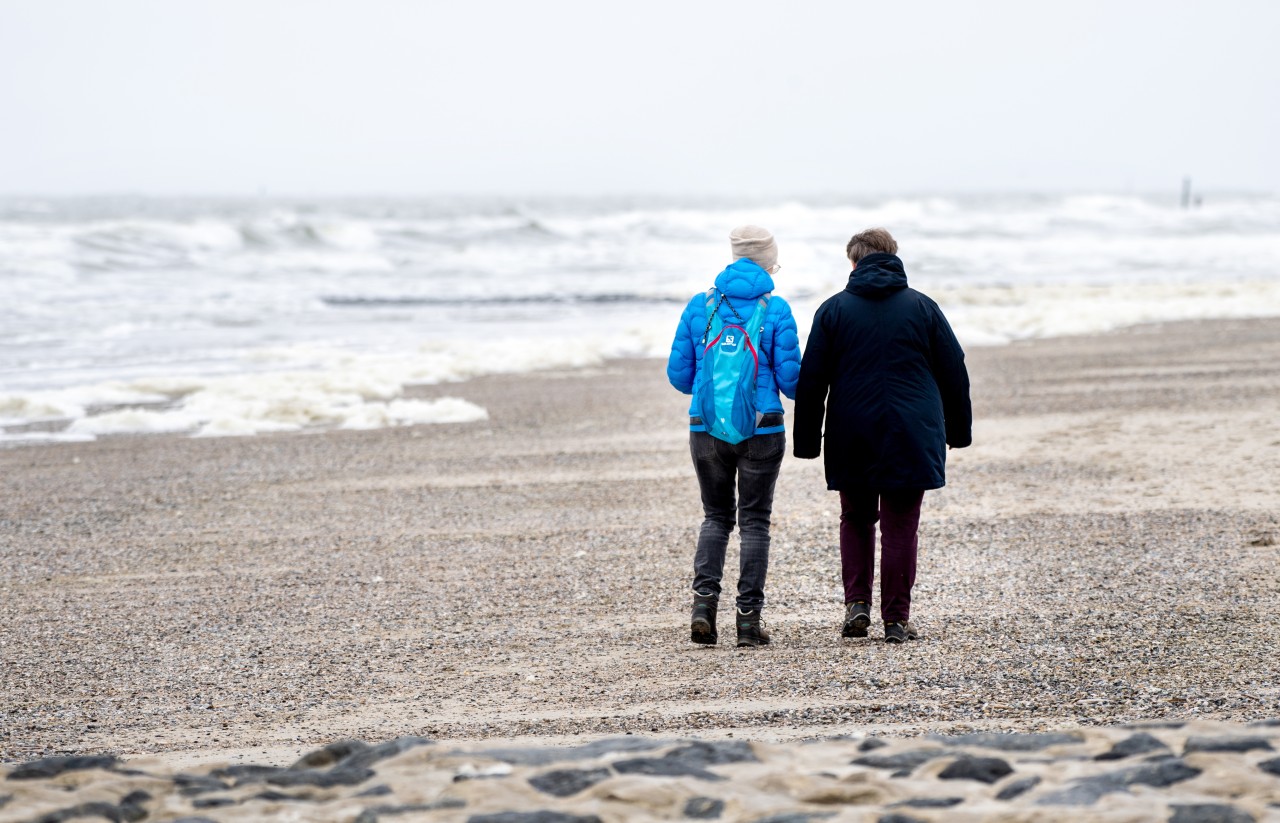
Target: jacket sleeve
[(811, 391), (785, 350), (953, 382), (682, 363)]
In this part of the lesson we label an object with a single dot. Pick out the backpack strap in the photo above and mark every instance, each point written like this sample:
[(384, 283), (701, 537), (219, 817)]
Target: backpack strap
[(712, 306)]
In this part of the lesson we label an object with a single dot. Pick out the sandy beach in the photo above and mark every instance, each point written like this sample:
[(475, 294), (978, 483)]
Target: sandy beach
[(1104, 554)]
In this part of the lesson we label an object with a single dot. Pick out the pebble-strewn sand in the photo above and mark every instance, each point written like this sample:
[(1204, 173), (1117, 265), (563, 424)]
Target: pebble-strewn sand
[(1106, 553)]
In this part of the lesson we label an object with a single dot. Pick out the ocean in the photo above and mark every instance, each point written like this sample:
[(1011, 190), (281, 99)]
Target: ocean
[(233, 317)]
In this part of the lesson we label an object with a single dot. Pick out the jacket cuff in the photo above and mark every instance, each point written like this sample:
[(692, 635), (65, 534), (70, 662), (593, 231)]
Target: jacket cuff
[(806, 451)]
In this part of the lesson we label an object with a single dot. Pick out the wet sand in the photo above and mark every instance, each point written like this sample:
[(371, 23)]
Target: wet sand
[(1105, 553)]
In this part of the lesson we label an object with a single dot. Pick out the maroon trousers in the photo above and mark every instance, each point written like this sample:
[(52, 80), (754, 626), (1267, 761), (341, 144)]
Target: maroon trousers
[(898, 513)]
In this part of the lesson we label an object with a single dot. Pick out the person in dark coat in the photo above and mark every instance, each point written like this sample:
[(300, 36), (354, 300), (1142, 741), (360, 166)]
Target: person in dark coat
[(884, 368)]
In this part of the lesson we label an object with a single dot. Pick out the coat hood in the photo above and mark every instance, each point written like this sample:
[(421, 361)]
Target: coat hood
[(877, 276), (744, 279)]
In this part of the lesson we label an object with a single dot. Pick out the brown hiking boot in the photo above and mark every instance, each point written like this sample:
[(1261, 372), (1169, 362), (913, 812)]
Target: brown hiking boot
[(857, 617), (900, 632)]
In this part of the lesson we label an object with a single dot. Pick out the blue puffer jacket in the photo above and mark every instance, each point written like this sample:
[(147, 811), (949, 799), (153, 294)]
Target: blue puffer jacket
[(742, 283)]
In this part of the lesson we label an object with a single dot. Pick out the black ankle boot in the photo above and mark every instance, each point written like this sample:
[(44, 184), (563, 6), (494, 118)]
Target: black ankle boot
[(751, 630), (702, 628)]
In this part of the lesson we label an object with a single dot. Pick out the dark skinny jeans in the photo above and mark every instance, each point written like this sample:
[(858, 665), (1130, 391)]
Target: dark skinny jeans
[(754, 465), (899, 515)]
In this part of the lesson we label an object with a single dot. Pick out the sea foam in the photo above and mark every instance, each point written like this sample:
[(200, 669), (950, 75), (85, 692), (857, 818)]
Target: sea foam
[(302, 387)]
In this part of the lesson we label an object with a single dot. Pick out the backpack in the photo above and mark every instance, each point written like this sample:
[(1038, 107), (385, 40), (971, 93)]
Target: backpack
[(730, 363)]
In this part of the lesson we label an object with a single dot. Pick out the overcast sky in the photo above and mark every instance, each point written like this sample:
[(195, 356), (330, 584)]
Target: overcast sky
[(592, 97)]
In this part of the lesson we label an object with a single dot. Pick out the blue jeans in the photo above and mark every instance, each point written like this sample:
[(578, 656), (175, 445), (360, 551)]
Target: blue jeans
[(752, 466)]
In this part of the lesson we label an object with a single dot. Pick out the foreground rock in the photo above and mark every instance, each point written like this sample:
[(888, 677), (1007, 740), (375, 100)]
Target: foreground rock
[(1203, 772)]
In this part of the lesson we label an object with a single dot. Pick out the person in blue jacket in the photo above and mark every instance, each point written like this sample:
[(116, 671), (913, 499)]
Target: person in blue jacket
[(884, 365), (751, 465)]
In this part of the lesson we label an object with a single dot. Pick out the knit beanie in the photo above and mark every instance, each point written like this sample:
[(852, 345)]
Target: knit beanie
[(756, 244)]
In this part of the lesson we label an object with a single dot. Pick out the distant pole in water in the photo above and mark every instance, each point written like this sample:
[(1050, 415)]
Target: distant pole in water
[(1186, 192)]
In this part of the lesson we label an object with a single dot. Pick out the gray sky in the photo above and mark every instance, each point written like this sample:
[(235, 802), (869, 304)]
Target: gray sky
[(692, 97)]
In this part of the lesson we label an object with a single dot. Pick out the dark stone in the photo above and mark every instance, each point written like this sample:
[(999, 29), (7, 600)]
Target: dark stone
[(1086, 791), (131, 808), (533, 817), (902, 760), (107, 811), (1271, 766), (928, 802), (795, 817), (330, 755), (1209, 813), (714, 753), (377, 791), (194, 820), (275, 796), (1271, 723), (4, 800), (566, 782), (54, 766), (983, 769), (703, 808), (663, 767), (871, 743), (1162, 774), (1226, 744), (190, 785), (462, 778), (366, 757), (898, 818), (901, 773), (1155, 724), (323, 780), (246, 772), (588, 751), (1012, 741), (212, 802), (1140, 743), (1017, 788), (372, 815)]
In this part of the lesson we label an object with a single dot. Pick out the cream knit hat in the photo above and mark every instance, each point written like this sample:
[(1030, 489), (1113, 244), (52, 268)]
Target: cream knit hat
[(756, 244)]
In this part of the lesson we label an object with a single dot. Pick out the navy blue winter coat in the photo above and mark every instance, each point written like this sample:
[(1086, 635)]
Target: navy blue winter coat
[(884, 364), (743, 282)]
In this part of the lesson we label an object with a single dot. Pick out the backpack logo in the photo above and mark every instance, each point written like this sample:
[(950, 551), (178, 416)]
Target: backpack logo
[(726, 387)]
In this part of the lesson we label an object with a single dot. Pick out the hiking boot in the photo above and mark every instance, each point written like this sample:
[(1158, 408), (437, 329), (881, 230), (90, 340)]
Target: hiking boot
[(702, 628), (900, 632), (857, 617), (751, 629)]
